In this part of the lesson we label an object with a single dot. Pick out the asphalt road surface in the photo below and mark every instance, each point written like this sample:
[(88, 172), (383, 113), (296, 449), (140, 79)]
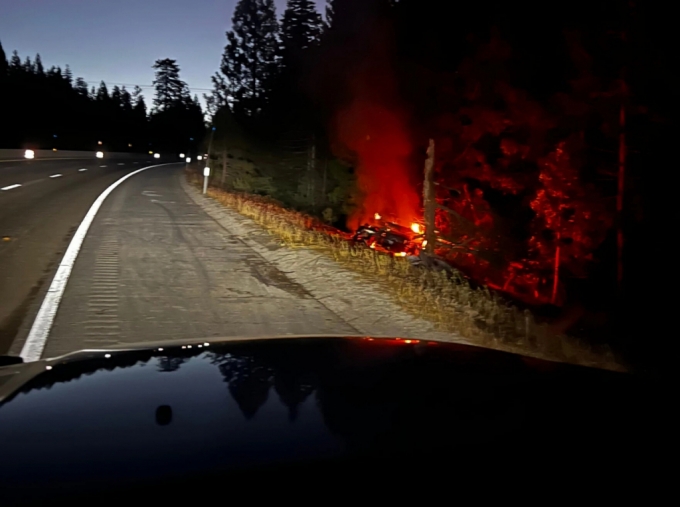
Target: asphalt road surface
[(154, 266), (42, 202)]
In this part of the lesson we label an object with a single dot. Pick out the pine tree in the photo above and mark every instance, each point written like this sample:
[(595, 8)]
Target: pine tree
[(116, 97), (39, 69), (81, 87), (15, 63), (250, 59), (125, 99), (301, 26), (218, 97), (170, 89), (28, 66), (4, 64), (68, 75), (102, 93)]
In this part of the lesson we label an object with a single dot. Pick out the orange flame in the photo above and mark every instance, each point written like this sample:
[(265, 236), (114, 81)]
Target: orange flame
[(415, 227), (377, 216)]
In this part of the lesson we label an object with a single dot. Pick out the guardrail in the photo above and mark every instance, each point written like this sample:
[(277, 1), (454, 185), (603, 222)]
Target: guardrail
[(13, 155)]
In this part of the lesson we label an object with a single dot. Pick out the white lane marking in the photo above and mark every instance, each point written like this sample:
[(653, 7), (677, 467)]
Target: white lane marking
[(56, 176), (102, 166), (122, 163), (82, 170), (40, 330), (10, 187)]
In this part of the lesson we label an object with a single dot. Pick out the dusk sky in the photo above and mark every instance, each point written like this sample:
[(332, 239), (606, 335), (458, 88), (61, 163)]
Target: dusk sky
[(118, 40)]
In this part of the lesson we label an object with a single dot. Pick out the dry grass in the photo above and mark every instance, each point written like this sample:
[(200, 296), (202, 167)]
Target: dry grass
[(447, 299)]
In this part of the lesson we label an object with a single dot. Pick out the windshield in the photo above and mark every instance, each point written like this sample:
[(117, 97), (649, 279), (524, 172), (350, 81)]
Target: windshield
[(174, 170)]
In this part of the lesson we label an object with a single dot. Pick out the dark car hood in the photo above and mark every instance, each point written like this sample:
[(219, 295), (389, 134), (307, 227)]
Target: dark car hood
[(187, 409)]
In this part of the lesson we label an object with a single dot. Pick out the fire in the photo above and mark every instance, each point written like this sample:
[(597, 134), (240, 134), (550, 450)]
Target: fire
[(401, 254), (372, 245), (424, 243), (377, 216), (415, 227)]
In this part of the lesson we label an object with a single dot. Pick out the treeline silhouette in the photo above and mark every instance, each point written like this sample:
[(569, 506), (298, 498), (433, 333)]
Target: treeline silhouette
[(50, 108)]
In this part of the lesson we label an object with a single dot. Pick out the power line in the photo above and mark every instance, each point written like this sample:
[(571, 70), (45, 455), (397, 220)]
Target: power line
[(144, 86)]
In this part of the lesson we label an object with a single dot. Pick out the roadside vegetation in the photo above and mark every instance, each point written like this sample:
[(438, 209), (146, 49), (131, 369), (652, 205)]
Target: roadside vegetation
[(443, 296)]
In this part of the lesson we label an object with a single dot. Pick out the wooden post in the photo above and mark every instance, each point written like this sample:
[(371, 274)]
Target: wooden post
[(429, 200), (224, 168)]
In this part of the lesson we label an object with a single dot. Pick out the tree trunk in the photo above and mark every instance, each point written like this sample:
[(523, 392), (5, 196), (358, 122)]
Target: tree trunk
[(556, 273), (429, 200), (620, 196)]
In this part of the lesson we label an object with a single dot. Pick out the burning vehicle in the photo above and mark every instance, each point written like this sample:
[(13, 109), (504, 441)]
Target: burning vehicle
[(390, 237)]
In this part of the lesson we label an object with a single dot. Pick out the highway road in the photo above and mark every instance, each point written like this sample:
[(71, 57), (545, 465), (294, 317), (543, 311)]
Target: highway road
[(155, 266), (42, 202)]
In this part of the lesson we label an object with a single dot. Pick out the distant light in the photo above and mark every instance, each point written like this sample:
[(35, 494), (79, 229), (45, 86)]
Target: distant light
[(206, 344), (206, 155), (188, 346), (184, 346), (182, 155), (156, 155), (99, 143), (151, 153), (214, 128), (55, 136), (129, 145), (191, 139), (107, 356), (206, 171), (160, 349), (48, 367), (199, 158), (54, 149), (100, 154), (188, 160), (29, 154)]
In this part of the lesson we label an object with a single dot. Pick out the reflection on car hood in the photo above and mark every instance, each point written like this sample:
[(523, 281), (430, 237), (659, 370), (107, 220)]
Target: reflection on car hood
[(178, 409)]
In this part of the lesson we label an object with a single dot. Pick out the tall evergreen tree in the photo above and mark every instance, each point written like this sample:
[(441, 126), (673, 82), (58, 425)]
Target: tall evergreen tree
[(81, 87), (125, 99), (68, 75), (170, 89), (218, 96), (250, 59), (15, 63), (301, 26), (39, 69), (4, 64), (116, 97), (102, 93), (28, 66)]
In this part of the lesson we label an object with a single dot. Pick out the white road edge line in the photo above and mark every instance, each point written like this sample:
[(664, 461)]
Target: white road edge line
[(56, 176), (81, 170), (40, 330), (10, 187)]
